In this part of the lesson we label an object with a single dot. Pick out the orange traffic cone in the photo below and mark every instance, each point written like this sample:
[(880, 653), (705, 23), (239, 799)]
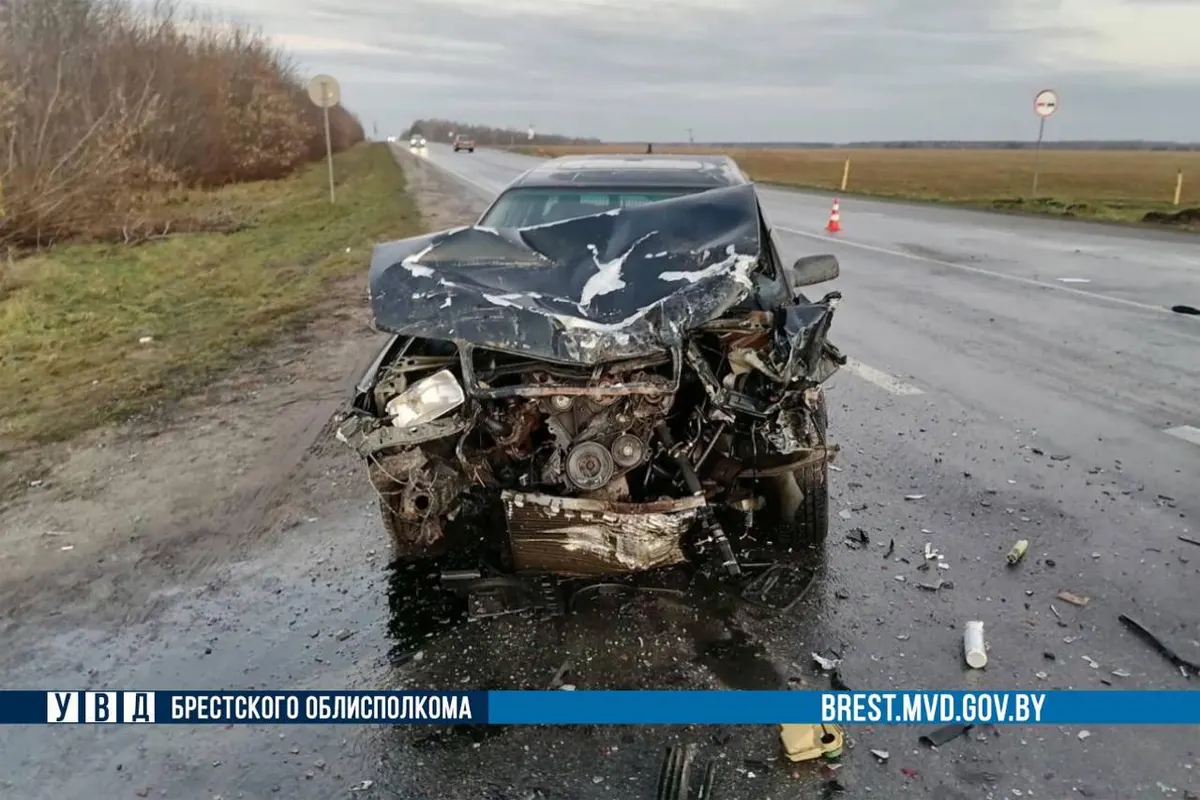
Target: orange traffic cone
[(835, 219)]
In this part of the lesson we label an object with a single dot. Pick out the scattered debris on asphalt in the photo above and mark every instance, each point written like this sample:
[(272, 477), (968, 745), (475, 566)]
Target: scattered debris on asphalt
[(973, 645), (826, 664), (859, 536), (914, 497), (1171, 654), (1084, 734), (1073, 599), (1189, 541), (779, 586), (1186, 310), (944, 734), (882, 755), (836, 683), (1017, 552), (891, 548), (559, 675)]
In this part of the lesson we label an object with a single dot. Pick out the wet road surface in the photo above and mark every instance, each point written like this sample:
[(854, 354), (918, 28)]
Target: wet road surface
[(1016, 410)]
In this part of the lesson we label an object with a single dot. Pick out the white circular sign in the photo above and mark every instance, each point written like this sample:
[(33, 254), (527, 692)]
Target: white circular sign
[(1046, 103), (324, 91)]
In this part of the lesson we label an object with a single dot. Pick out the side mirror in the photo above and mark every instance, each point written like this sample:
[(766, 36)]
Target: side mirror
[(814, 269)]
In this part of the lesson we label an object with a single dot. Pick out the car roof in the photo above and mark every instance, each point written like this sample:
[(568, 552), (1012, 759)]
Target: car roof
[(635, 170)]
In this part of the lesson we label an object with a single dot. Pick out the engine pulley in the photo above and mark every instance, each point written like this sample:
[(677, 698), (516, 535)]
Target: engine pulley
[(590, 466), (628, 450)]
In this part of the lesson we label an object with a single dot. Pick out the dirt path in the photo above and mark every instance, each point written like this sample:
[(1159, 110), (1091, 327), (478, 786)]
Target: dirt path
[(132, 511)]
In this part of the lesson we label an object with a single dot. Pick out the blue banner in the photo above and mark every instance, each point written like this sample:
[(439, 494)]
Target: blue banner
[(601, 708)]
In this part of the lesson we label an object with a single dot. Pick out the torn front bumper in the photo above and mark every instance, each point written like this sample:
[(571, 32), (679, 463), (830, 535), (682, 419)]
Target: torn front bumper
[(576, 536)]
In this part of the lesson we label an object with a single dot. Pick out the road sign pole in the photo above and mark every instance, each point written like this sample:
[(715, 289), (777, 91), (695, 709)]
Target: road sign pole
[(1044, 105), (329, 153), (1037, 153), (324, 91)]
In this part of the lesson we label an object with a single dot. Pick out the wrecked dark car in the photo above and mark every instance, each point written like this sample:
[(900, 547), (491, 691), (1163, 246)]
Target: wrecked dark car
[(614, 388)]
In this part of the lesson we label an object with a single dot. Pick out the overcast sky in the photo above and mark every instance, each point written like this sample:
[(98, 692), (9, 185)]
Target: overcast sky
[(810, 70)]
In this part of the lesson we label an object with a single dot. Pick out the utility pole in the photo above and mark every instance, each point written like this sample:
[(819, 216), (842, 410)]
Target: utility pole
[(690, 139)]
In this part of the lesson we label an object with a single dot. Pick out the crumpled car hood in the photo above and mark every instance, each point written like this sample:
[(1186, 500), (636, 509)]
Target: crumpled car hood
[(619, 284)]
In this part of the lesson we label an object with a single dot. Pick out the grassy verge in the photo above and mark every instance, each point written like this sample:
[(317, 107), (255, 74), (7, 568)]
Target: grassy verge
[(1119, 186), (72, 318)]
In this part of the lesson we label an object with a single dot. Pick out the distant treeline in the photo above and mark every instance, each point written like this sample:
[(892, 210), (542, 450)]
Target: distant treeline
[(954, 145), (441, 130)]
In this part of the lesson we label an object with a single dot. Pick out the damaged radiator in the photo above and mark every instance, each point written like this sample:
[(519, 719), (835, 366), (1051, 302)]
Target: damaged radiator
[(576, 536)]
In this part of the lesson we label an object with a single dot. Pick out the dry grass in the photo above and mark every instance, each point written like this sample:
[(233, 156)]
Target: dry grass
[(1116, 185), (108, 111), (73, 317)]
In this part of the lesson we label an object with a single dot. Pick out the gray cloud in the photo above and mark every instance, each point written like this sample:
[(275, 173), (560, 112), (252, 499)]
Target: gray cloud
[(756, 69)]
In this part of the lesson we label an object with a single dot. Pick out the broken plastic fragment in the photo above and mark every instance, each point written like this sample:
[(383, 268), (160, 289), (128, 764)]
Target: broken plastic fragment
[(1073, 599), (914, 497), (882, 755), (826, 664)]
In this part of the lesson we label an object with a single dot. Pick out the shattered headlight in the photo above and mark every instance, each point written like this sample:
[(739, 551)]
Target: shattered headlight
[(426, 400)]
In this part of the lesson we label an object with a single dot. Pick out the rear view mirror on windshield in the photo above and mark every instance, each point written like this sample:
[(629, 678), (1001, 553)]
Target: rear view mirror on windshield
[(814, 269)]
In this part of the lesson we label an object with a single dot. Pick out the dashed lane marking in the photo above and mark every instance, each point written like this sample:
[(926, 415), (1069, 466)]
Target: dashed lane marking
[(1185, 432), (978, 271), (881, 379)]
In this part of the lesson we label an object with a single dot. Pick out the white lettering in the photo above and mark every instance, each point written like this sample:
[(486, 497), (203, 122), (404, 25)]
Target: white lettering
[(1001, 703), (1037, 700)]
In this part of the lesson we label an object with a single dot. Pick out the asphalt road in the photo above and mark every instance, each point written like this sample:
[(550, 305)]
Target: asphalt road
[(1016, 405)]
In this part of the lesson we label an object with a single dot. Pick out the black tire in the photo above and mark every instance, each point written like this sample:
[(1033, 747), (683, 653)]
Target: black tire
[(804, 523), (812, 517)]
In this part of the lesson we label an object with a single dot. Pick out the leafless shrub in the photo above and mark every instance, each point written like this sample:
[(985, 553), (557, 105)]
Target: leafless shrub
[(105, 108)]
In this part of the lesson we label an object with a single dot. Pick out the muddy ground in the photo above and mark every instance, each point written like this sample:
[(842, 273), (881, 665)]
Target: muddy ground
[(233, 543)]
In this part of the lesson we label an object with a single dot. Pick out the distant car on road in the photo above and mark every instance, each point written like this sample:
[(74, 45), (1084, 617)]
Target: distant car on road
[(463, 143), (416, 143)]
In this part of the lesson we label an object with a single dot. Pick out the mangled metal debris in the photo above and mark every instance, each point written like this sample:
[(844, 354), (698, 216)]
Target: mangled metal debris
[(1171, 654), (682, 778), (621, 392)]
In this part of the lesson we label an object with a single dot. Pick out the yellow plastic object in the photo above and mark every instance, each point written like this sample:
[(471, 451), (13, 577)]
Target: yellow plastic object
[(806, 742)]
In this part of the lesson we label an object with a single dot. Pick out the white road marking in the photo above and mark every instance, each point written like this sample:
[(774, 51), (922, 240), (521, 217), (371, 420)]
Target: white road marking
[(977, 270), (881, 379), (1073, 280), (1185, 432), (492, 191)]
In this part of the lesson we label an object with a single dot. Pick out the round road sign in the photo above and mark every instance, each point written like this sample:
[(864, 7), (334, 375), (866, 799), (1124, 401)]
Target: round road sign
[(1046, 103), (323, 90)]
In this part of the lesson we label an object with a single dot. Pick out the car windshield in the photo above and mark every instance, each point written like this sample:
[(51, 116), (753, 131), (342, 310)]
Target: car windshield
[(522, 208)]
